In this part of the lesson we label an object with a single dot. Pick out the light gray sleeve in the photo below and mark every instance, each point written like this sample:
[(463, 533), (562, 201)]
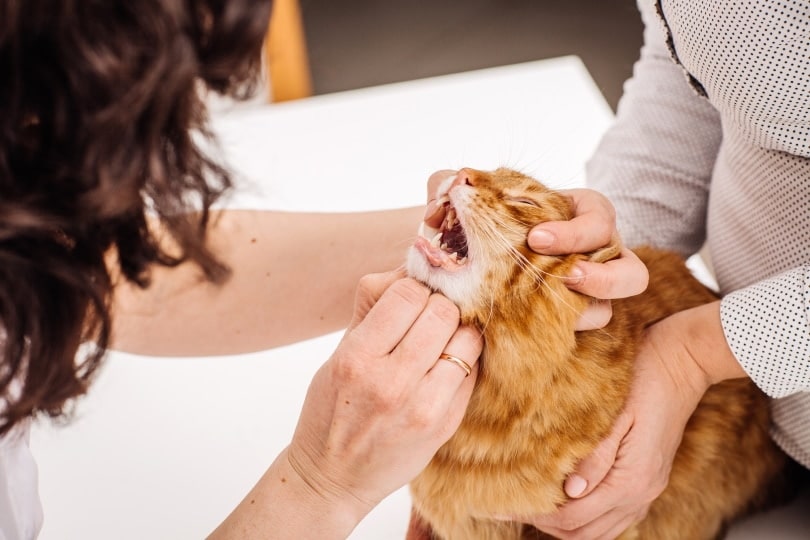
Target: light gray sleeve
[(767, 326), (655, 162)]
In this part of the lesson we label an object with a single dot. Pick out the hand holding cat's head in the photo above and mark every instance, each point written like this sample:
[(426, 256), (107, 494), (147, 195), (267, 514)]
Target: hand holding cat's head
[(473, 246)]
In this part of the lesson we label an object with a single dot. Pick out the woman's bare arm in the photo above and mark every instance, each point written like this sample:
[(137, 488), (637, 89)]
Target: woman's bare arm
[(293, 277)]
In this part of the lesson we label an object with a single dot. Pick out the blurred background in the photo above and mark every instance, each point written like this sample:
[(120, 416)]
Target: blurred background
[(358, 43)]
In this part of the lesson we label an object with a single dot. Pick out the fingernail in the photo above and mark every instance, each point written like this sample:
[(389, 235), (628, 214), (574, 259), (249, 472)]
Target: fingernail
[(576, 275), (540, 239), (575, 485)]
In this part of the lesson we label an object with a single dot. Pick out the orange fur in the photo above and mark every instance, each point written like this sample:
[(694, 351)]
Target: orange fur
[(546, 395)]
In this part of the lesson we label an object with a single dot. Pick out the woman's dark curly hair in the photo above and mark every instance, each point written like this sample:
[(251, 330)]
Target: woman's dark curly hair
[(100, 124)]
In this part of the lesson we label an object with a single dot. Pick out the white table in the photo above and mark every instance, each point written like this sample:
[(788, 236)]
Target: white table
[(164, 448)]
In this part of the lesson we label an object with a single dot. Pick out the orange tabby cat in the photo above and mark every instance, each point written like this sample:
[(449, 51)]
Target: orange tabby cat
[(546, 395)]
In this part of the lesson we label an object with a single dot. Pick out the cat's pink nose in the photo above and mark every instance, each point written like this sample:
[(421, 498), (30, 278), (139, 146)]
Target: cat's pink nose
[(463, 178)]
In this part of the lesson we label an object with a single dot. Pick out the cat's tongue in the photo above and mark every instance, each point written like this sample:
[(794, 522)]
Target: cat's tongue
[(435, 256)]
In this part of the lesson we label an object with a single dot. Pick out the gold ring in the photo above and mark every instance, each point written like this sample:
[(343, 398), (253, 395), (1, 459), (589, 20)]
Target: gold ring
[(457, 361)]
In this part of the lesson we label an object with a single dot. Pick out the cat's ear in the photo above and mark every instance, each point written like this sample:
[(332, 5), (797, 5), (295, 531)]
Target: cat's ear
[(610, 251)]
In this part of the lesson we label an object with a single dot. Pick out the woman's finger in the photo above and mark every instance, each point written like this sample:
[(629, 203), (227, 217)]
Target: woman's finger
[(428, 336), (618, 278), (434, 213), (596, 512), (446, 388), (458, 360), (593, 469), (606, 527), (591, 228), (596, 315), (369, 290), (390, 318)]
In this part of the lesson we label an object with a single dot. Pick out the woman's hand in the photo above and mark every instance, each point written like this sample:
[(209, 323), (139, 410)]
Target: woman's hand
[(593, 227), (382, 405), (615, 485)]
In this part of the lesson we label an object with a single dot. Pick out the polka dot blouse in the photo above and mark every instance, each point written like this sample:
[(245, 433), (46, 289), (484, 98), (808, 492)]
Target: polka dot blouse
[(711, 145)]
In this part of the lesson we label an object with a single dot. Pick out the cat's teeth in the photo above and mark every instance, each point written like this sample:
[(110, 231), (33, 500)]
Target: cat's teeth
[(443, 199), (436, 239), (454, 256), (461, 260), (444, 247)]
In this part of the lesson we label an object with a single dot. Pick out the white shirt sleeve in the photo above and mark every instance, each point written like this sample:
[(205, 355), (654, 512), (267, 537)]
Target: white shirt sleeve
[(20, 508)]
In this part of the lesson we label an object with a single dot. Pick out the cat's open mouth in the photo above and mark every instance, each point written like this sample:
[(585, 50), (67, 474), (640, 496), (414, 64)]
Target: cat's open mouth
[(445, 247)]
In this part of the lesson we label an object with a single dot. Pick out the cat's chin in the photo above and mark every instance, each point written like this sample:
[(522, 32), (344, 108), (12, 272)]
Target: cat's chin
[(458, 282)]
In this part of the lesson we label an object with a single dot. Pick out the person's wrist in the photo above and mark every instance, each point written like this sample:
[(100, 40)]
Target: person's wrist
[(706, 344), (334, 510), (669, 338)]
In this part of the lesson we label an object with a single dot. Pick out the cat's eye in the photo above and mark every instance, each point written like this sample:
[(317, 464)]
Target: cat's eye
[(523, 200)]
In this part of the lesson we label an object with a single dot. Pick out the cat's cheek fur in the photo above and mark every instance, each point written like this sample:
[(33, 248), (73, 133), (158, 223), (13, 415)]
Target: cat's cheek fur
[(460, 286)]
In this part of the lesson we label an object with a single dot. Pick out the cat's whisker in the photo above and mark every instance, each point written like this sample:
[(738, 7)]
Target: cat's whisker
[(519, 229), (496, 236)]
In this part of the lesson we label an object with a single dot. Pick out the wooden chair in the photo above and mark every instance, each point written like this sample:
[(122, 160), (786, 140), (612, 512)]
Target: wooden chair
[(285, 54)]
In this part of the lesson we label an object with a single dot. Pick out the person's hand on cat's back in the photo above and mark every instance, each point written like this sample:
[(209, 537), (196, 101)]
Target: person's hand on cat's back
[(593, 227), (378, 410), (614, 486)]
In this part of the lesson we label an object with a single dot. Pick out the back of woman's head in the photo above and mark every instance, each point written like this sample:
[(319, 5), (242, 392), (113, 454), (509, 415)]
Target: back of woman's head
[(100, 120)]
